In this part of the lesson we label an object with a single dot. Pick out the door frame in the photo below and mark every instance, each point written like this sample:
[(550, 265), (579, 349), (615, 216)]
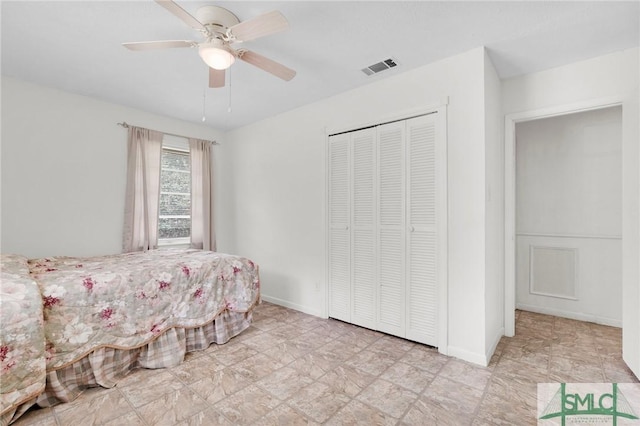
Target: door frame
[(510, 190)]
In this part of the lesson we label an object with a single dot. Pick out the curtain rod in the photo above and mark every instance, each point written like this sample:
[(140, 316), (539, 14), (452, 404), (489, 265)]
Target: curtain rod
[(126, 126)]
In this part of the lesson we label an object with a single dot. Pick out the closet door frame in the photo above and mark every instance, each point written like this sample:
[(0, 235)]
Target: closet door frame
[(442, 201)]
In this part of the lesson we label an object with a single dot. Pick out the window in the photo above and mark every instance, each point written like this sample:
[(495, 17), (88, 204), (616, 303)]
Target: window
[(174, 217)]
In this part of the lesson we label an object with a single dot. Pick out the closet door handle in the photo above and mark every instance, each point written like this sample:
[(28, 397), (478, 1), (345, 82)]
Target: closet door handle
[(411, 229), (346, 228)]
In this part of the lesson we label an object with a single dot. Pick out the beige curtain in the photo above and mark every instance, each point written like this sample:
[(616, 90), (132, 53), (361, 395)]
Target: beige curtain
[(143, 190), (202, 232)]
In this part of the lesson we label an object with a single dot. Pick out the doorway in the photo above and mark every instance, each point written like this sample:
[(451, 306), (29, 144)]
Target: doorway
[(568, 224), (511, 121)]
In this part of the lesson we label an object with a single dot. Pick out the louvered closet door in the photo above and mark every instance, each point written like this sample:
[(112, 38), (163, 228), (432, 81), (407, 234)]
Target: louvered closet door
[(421, 297), (339, 233), (391, 229), (364, 288)]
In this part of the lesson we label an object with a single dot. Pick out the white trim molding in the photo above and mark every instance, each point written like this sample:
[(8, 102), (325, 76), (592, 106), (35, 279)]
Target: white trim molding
[(294, 306)]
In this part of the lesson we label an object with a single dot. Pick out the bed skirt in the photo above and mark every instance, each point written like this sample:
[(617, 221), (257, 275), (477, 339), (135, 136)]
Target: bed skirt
[(106, 366)]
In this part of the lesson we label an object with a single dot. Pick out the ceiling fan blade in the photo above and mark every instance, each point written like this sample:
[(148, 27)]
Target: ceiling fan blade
[(266, 64), (182, 14), (216, 78), (260, 26), (164, 44)]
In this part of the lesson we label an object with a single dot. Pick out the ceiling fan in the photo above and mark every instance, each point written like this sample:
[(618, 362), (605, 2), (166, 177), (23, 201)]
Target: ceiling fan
[(220, 29)]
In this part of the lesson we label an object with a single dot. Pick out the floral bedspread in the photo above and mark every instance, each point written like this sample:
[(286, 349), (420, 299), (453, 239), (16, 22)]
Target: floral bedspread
[(124, 301), (22, 362)]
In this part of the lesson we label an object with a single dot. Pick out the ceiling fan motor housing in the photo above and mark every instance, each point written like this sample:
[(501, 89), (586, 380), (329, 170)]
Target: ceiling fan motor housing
[(216, 16)]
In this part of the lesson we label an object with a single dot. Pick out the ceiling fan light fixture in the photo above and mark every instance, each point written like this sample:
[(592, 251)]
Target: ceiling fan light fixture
[(216, 55)]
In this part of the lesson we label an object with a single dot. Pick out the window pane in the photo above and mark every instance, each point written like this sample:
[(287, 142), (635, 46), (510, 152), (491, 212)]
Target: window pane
[(174, 228), (175, 182), (175, 160), (175, 194), (171, 205)]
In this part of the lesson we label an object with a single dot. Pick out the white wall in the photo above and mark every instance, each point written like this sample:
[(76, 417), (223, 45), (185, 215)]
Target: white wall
[(494, 220), (613, 76), (569, 196), (280, 190), (63, 170), (569, 172)]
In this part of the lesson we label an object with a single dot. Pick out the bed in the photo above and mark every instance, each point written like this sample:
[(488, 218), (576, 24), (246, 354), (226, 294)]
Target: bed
[(99, 317), (22, 373)]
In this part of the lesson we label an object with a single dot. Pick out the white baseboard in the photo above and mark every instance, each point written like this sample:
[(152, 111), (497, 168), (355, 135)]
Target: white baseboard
[(492, 348), (571, 315), (474, 357), (295, 306), (466, 355)]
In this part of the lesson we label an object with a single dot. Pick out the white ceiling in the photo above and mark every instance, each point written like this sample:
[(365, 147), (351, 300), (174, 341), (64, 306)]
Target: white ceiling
[(76, 46)]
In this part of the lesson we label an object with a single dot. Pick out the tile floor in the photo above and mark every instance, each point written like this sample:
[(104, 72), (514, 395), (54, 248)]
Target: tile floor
[(295, 369)]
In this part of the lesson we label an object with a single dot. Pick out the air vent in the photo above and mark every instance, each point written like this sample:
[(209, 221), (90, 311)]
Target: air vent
[(380, 66)]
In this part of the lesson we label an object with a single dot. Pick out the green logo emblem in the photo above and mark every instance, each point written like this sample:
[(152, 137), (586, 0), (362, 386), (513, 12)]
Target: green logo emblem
[(603, 404)]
